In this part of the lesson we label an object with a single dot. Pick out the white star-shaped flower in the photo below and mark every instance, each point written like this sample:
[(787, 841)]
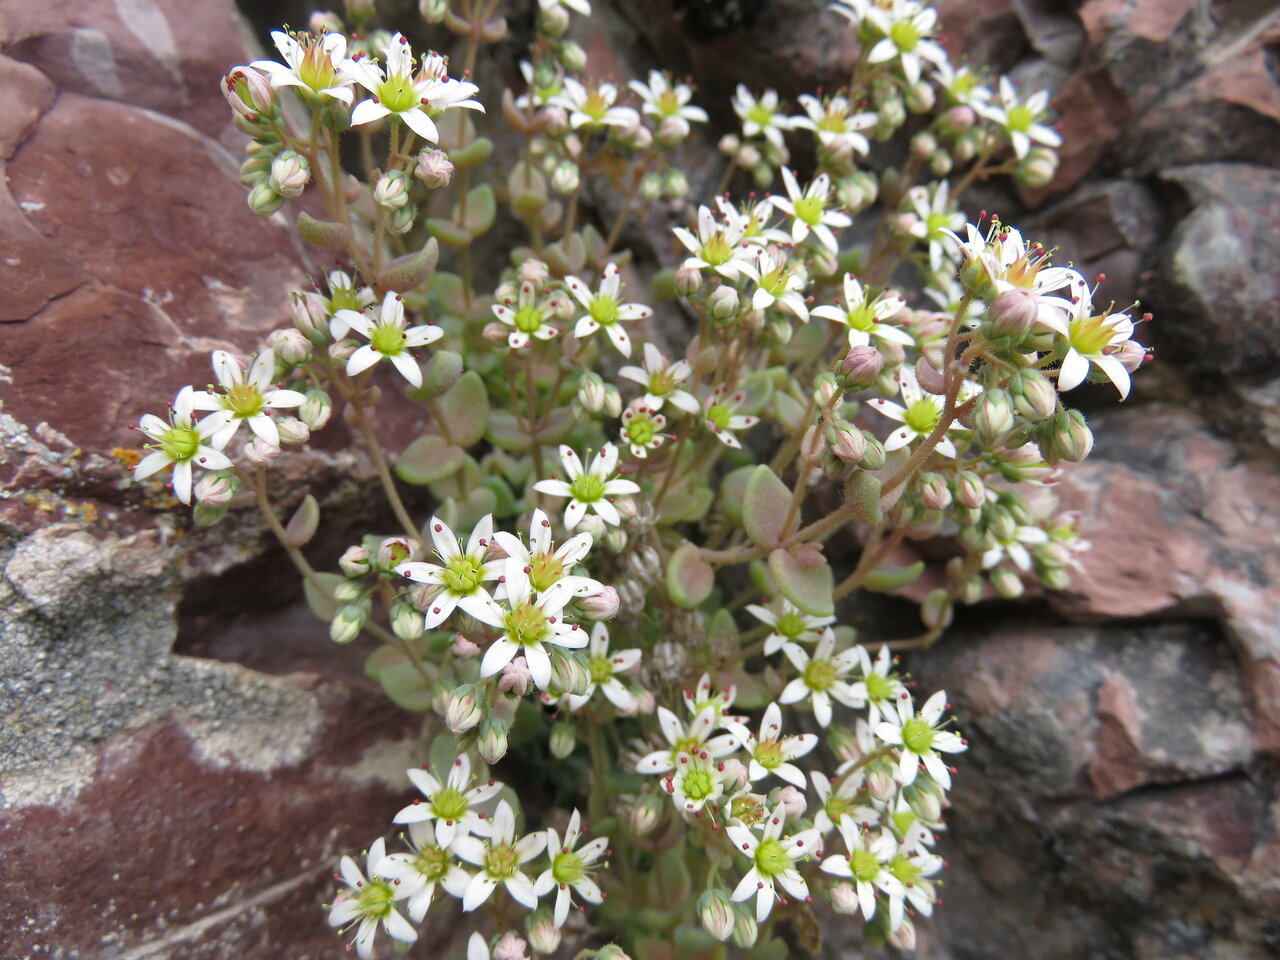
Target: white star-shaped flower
[(661, 380), (184, 442), (460, 575), (864, 312), (589, 489), (450, 802), (919, 413), (808, 210), (771, 752), (605, 310), (427, 867), (370, 901), (500, 859), (570, 869), (921, 738), (773, 859), (694, 740), (317, 65), (248, 395), (389, 339), (823, 677)]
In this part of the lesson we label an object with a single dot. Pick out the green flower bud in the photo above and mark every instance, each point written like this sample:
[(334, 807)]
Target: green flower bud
[(553, 21), (208, 514), (563, 739), (992, 417), (934, 493), (646, 814), (355, 562), (465, 708), (571, 56), (263, 200), (348, 592), (347, 624), (433, 11), (316, 410), (1065, 436), (566, 177), (491, 739), (1005, 582), (716, 913), (406, 621), (290, 174), (873, 458), (936, 611), (1034, 395), (745, 928), (1037, 169)]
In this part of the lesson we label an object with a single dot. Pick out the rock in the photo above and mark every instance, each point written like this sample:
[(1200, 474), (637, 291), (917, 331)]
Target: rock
[(1219, 298)]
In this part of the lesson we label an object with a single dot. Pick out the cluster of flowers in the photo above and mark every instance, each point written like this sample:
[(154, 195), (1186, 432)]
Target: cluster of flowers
[(654, 500)]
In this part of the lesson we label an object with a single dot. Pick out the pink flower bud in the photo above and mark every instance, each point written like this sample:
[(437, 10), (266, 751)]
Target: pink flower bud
[(393, 551), (844, 899), (1132, 354), (495, 333), (515, 677), (355, 562), (543, 934), (688, 281), (534, 271), (463, 648), (215, 489), (603, 606), (249, 93), (257, 451), (1012, 313), (464, 710), (292, 430), (792, 801), (861, 366), (434, 168)]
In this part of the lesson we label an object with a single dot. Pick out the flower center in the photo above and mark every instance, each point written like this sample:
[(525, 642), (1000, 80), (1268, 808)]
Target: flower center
[(587, 488), (450, 804), (567, 867), (904, 35), (905, 870), (180, 442), (768, 753), (819, 675), (936, 221), (862, 317), (791, 625), (922, 416), (878, 687), (661, 383), (501, 861), (526, 625), (600, 668), (917, 735), (809, 210), (528, 319), (1020, 118), (716, 250), (243, 399), (837, 806), (719, 415), (771, 858), (432, 863), (640, 431), (760, 114), (396, 93), (387, 339), (545, 570), (316, 69), (462, 575), (1091, 334), (864, 865), (668, 103), (697, 784), (374, 898), (344, 298), (603, 310), (595, 106), (775, 282)]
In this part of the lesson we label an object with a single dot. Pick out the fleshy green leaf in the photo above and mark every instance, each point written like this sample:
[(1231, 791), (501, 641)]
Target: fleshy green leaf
[(732, 489), (465, 409), (448, 232), (407, 687), (322, 604), (429, 459), (807, 585), (302, 525), (459, 484), (863, 494), (481, 210), (411, 270), (690, 579), (765, 502), (681, 506), (322, 233), (885, 579), (504, 430), (789, 412), (438, 374), (472, 155)]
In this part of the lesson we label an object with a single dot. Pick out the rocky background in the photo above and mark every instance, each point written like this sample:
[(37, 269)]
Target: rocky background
[(182, 751)]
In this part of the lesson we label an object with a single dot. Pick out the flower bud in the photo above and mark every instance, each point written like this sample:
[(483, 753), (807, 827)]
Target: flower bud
[(359, 10), (515, 677), (316, 409), (846, 441), (354, 562), (646, 814), (1012, 313), (920, 97), (873, 458), (290, 346), (936, 611), (533, 271), (844, 899), (614, 539), (1005, 583), (1034, 396), (861, 367), (970, 491), (491, 739), (729, 144), (992, 417), (566, 177), (400, 221), (569, 672), (602, 606), (553, 21), (263, 200), (676, 185), (591, 392), (540, 927), (923, 144), (745, 928), (258, 452), (571, 56), (1037, 169), (216, 489), (555, 121), (1131, 354), (792, 801), (716, 913), (392, 552), (406, 621), (723, 303), (934, 493), (957, 120), (310, 316), (736, 775), (462, 648), (290, 174), (249, 93), (292, 430), (464, 709), (433, 168), (208, 514), (940, 163), (433, 11), (563, 739), (1066, 437), (688, 280), (347, 623), (495, 333), (391, 192)]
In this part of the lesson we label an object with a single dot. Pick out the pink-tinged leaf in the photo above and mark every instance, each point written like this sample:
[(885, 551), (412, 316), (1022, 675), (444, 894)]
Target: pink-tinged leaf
[(465, 409), (407, 686), (862, 494), (322, 233), (321, 601), (411, 270), (802, 581), (765, 503), (439, 373), (690, 579), (302, 525), (887, 579), (732, 491), (429, 459)]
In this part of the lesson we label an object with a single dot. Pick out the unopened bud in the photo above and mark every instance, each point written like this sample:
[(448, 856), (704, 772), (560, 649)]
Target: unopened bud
[(208, 514), (263, 200), (936, 611), (464, 710), (716, 912), (1034, 395), (292, 430), (406, 621), (391, 192), (958, 120), (602, 606), (316, 409), (591, 392), (553, 21), (992, 417), (290, 174), (847, 442), (792, 801), (873, 458), (290, 346), (934, 493), (1131, 354), (433, 168), (216, 489), (359, 10), (880, 781), (491, 739), (1012, 313), (1037, 169), (646, 814), (1066, 437), (745, 928), (563, 739), (844, 899), (347, 623), (1005, 583), (920, 97), (566, 177), (923, 144), (688, 280), (861, 367), (736, 775), (676, 185), (515, 677), (614, 539), (249, 93), (723, 303), (355, 562), (555, 120), (571, 56), (495, 332), (322, 21), (259, 452), (940, 164), (433, 11), (970, 491), (540, 927)]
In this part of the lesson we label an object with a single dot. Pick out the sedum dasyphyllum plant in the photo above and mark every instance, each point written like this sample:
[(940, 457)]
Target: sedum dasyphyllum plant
[(659, 733)]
